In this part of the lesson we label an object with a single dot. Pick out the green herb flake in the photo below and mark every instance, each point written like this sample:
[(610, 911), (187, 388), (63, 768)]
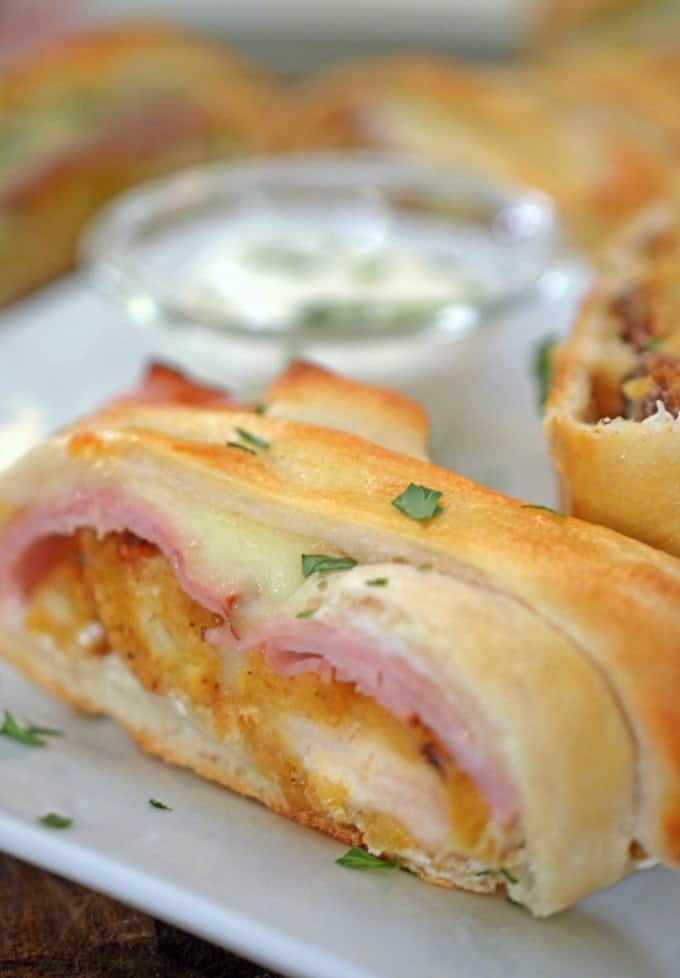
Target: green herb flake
[(544, 509), (425, 567), (356, 858), (418, 502), (155, 803), (542, 367), (377, 582), (260, 409), (499, 871), (29, 736), (322, 564), (45, 731), (653, 343), (54, 821), (244, 448), (306, 614), (251, 438)]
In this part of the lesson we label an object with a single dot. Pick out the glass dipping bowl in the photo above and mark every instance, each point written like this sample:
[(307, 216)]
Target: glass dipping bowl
[(149, 247)]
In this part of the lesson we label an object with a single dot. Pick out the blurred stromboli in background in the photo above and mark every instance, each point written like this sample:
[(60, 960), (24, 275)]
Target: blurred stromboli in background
[(592, 122), (89, 115), (507, 125)]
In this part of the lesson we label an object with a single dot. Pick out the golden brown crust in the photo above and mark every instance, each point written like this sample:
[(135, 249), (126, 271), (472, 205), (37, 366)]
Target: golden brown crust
[(308, 392), (593, 446), (618, 472)]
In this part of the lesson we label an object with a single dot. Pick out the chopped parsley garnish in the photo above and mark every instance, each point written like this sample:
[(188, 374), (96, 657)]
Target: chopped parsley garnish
[(653, 343), (502, 870), (260, 409), (159, 804), (425, 567), (54, 821), (30, 736), (306, 614), (321, 564), (544, 509), (377, 582), (508, 875), (356, 858), (45, 731), (418, 502), (542, 367), (251, 438), (244, 448)]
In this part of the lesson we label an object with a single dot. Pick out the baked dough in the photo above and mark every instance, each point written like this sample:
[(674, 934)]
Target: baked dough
[(471, 694), (612, 416)]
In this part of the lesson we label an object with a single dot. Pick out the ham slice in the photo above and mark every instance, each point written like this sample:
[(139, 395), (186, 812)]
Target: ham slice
[(27, 545)]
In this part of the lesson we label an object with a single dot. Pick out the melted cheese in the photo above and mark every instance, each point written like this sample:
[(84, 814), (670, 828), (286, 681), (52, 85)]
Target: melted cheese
[(261, 564)]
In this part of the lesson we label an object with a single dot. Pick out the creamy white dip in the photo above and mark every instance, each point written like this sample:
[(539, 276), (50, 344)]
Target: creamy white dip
[(326, 273)]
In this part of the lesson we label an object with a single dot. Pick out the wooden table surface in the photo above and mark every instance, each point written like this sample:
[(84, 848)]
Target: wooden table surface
[(50, 928)]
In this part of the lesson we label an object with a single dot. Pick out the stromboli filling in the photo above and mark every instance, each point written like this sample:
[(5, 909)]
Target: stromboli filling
[(120, 593), (646, 316)]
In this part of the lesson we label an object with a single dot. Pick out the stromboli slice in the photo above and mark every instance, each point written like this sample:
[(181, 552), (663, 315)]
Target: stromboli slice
[(612, 416), (521, 658), (94, 113)]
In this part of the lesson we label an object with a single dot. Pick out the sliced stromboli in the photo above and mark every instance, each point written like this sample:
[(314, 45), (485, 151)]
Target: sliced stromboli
[(593, 163), (94, 113), (241, 592), (612, 418)]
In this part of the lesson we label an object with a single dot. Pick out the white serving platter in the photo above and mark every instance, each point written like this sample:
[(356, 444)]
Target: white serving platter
[(223, 867)]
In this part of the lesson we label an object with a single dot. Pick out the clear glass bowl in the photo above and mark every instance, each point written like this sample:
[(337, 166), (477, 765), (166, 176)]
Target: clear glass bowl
[(158, 250)]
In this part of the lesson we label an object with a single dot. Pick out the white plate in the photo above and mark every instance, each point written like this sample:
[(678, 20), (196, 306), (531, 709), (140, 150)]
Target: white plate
[(223, 867)]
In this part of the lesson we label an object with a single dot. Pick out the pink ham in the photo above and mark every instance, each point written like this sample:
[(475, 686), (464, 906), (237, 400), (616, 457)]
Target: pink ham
[(30, 542), (27, 544)]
